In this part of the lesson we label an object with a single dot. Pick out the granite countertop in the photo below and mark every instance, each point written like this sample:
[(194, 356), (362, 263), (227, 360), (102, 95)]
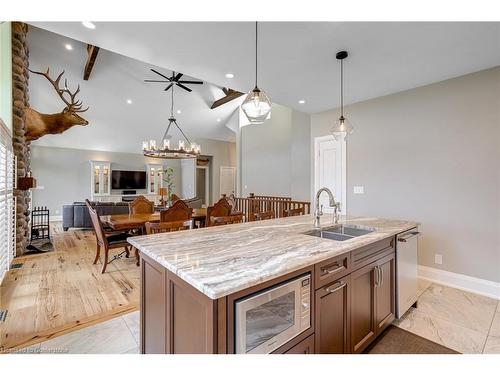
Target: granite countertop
[(222, 260)]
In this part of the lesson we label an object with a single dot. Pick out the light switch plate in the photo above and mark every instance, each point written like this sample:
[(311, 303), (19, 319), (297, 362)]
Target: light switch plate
[(359, 189), (438, 259)]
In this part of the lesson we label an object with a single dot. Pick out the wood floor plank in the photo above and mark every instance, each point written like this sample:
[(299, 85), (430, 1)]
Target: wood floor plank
[(61, 291)]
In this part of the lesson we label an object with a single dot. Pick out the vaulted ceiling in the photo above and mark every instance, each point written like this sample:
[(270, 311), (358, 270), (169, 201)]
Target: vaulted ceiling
[(296, 62), (116, 124), (297, 59)]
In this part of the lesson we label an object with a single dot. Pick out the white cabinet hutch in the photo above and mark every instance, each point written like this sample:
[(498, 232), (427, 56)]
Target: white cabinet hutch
[(100, 183)]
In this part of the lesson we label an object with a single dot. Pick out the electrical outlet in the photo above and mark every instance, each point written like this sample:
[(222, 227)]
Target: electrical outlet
[(438, 259), (359, 189)]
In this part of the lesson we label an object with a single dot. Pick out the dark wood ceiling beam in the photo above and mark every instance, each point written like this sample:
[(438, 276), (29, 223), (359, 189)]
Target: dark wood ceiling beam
[(230, 95), (92, 52)]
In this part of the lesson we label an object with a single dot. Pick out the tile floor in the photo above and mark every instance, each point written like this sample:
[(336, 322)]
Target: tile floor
[(116, 336), (463, 321)]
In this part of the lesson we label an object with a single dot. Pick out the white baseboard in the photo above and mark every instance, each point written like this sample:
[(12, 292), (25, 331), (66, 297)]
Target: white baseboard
[(456, 280)]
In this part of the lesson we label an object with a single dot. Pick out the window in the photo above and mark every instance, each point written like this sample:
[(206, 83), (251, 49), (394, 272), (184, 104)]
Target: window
[(7, 206)]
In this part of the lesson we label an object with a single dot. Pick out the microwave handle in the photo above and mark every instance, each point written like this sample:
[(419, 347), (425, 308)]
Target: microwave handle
[(336, 287)]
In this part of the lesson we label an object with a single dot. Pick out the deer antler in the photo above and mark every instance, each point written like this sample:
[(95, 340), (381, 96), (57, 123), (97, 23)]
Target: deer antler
[(72, 105)]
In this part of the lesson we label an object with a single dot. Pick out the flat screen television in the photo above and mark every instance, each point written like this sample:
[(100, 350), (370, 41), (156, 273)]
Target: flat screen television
[(128, 180)]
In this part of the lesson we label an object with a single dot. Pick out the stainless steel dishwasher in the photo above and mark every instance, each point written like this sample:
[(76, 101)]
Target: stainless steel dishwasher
[(406, 270)]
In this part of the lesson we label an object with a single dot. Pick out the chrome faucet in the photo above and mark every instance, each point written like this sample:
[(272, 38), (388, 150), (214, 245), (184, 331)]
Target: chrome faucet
[(319, 210)]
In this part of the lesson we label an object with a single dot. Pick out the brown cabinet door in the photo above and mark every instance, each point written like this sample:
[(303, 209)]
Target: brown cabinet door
[(385, 292), (332, 304), (306, 346), (362, 308)]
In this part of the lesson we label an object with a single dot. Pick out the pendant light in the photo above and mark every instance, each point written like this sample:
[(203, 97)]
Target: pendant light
[(256, 105), (342, 127)]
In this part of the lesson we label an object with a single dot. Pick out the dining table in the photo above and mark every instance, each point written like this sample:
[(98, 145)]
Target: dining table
[(125, 222)]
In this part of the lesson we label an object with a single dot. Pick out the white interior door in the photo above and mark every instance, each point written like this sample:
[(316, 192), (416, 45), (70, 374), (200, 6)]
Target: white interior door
[(330, 170), (227, 180)]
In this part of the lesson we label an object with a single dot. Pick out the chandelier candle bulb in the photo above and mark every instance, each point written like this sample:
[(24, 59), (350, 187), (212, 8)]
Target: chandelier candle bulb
[(166, 144), (181, 144), (145, 145), (152, 144)]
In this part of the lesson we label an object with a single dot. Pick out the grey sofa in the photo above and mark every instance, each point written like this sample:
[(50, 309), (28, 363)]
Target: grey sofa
[(77, 215)]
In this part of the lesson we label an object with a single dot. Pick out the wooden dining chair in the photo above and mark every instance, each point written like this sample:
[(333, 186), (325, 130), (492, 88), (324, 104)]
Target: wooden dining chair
[(169, 226), (294, 212), (179, 211), (225, 220), (141, 205), (219, 209), (174, 198), (108, 241), (263, 215)]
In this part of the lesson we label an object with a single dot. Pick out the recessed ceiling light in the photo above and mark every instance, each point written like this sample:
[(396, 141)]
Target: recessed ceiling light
[(129, 101), (229, 75), (218, 120), (68, 46), (302, 101), (88, 25), (179, 111)]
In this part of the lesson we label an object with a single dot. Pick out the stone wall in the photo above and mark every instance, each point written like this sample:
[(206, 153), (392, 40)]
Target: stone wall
[(20, 99)]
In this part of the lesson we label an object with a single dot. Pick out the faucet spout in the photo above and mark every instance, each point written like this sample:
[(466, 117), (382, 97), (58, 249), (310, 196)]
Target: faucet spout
[(318, 211)]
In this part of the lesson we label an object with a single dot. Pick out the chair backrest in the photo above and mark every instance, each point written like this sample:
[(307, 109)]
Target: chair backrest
[(231, 200), (224, 220), (174, 197), (294, 212), (96, 223), (264, 215), (170, 226), (141, 205), (179, 211), (221, 208)]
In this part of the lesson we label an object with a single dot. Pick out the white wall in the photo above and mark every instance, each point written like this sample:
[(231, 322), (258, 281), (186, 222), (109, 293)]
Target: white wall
[(432, 154), (6, 74), (188, 178), (275, 155), (221, 154)]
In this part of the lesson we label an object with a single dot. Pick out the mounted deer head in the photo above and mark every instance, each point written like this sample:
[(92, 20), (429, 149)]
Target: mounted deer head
[(40, 124)]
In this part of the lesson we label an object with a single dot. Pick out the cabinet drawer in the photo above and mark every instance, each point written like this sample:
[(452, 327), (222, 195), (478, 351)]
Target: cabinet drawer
[(370, 253), (306, 346), (331, 270)]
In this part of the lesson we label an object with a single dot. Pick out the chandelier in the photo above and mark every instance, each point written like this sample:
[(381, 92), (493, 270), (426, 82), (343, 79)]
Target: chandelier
[(185, 148)]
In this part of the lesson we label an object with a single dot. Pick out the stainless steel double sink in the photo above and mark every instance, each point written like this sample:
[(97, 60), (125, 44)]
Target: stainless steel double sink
[(339, 232)]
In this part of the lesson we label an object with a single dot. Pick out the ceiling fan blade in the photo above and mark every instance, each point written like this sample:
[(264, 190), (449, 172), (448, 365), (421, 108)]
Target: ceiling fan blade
[(169, 86), (178, 76), (157, 72), (192, 82), (152, 80), (184, 87)]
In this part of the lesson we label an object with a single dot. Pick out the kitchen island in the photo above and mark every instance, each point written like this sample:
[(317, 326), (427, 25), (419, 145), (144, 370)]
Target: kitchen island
[(198, 287)]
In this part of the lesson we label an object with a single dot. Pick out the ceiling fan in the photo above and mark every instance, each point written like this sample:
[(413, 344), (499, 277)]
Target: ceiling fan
[(174, 79)]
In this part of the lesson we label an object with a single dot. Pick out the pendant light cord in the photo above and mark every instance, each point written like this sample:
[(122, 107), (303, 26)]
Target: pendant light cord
[(256, 52), (342, 88), (172, 104)]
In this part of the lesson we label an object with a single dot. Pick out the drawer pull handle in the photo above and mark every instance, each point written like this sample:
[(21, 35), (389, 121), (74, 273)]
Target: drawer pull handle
[(337, 268), (337, 287)]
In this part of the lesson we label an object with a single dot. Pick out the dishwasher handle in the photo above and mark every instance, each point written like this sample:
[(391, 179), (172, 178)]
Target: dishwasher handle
[(408, 235)]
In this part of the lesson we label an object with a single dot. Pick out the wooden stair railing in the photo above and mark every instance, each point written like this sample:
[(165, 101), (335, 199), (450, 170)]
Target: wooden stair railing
[(278, 205)]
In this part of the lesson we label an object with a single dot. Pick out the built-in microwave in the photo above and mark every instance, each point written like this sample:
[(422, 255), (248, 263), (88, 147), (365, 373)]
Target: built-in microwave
[(270, 318)]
